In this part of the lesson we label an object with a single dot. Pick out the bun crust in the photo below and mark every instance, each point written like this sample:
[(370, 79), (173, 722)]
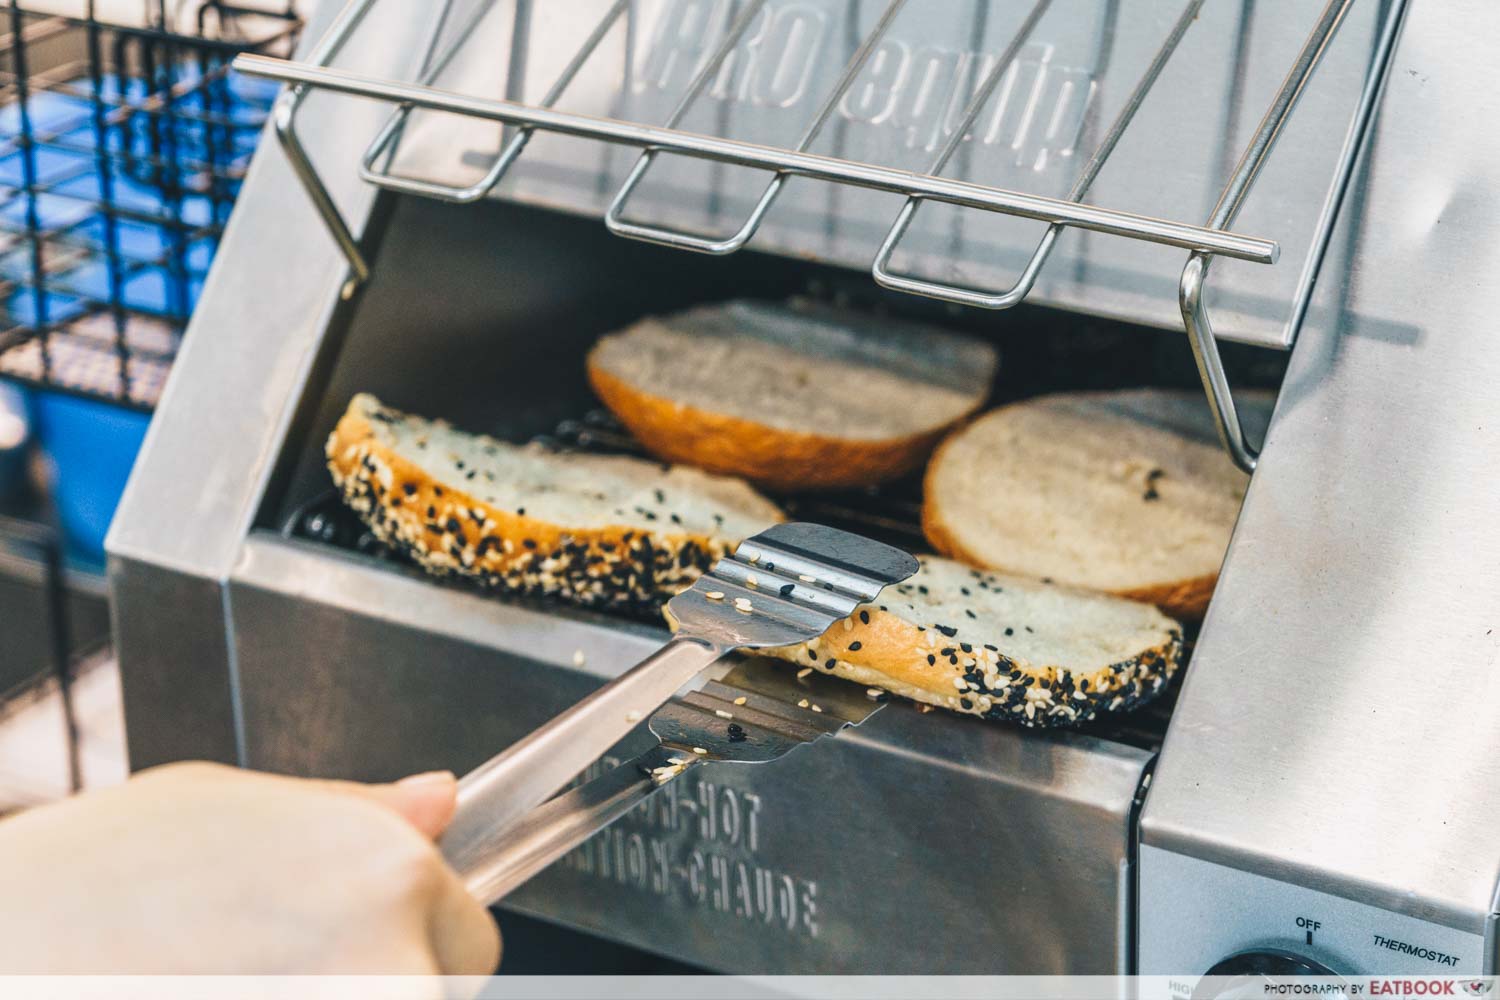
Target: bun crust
[(448, 530), (776, 459)]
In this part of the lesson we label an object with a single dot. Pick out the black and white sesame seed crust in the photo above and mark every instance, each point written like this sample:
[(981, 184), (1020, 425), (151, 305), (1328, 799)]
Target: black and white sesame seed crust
[(927, 662), (450, 532)]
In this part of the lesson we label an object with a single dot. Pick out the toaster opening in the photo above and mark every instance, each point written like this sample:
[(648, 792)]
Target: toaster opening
[(482, 315)]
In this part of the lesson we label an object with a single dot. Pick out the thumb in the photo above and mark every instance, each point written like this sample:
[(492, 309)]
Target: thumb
[(426, 801)]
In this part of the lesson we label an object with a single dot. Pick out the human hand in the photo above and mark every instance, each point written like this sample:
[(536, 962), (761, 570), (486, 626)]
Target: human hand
[(201, 868)]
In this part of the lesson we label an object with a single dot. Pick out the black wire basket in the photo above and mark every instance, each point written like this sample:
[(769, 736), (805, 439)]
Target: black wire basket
[(122, 148)]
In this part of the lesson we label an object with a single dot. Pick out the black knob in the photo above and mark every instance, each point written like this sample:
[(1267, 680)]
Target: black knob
[(1245, 974)]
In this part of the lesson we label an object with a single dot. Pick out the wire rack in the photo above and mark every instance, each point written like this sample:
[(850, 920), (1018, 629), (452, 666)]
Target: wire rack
[(1204, 242), (122, 148)]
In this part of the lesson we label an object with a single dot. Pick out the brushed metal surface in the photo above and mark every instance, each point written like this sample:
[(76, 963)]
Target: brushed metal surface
[(1340, 724), (1071, 78), (1008, 851), (1229, 911), (192, 493)]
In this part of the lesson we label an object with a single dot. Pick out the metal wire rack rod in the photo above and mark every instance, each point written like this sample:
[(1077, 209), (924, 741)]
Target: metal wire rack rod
[(284, 120), (866, 175), (614, 217), (880, 269), (1191, 287), (1027, 280), (507, 158)]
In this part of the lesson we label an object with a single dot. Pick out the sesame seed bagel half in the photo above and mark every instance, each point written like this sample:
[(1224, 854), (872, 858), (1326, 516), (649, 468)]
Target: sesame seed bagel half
[(790, 396), (1127, 492), (602, 531), (1001, 647)]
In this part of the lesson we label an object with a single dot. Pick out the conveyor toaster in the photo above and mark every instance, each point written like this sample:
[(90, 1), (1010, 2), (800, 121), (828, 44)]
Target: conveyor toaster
[(1314, 182)]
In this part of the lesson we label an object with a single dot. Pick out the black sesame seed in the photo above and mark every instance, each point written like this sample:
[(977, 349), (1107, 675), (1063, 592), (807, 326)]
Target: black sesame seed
[(971, 614), (786, 590), (864, 616), (437, 491), (947, 630), (454, 526), (966, 647), (431, 511), (409, 489), (812, 654), (931, 660), (529, 543), (520, 511), (829, 665), (1010, 631), (855, 647)]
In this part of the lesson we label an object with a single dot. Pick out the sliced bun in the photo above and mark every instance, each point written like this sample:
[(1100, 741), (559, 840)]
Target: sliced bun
[(1000, 647), (601, 531), (793, 397), (1124, 492)]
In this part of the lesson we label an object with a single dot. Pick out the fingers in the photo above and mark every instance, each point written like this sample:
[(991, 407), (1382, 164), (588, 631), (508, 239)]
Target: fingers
[(426, 801), (464, 938)]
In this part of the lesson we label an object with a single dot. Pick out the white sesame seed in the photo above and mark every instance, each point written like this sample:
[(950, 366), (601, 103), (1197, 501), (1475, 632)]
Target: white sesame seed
[(848, 625), (723, 714), (633, 715), (742, 604), (579, 658), (751, 580), (753, 560), (803, 672), (817, 708), (803, 703), (699, 751), (874, 694), (807, 579), (960, 683), (715, 595), (740, 700)]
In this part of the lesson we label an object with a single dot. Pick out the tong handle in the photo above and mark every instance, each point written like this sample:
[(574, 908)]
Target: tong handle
[(556, 827), (495, 796)]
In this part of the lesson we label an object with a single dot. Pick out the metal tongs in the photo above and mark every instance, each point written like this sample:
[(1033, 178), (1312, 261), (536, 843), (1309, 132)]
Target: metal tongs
[(784, 586)]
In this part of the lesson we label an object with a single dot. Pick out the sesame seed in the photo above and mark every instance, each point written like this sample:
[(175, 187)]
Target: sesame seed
[(715, 595), (579, 659), (740, 700), (874, 694), (817, 708), (751, 580), (742, 604), (803, 672), (699, 751), (723, 714), (807, 579), (633, 716), (803, 703)]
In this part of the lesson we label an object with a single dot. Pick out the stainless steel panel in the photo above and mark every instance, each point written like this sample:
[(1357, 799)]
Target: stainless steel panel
[(1201, 913), (1340, 725), (1071, 77), (918, 843), (220, 422)]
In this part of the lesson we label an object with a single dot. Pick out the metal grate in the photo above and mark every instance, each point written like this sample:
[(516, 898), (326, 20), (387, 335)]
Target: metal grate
[(121, 151), (1204, 242)]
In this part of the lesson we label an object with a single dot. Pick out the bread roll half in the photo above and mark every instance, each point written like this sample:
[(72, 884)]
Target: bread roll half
[(601, 531), (791, 397)]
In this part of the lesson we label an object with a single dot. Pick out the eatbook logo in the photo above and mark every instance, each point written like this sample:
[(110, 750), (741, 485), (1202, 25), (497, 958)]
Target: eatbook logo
[(1478, 987)]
